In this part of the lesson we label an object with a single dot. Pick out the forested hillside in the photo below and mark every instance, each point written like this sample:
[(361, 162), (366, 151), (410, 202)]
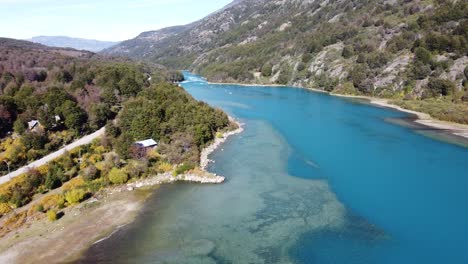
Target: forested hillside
[(50, 97), (397, 49)]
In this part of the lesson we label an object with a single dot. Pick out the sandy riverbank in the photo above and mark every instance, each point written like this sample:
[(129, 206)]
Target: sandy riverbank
[(65, 240), (269, 85), (82, 225)]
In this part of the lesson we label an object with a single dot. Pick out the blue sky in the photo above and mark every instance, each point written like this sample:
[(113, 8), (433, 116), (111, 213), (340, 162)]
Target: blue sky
[(98, 19)]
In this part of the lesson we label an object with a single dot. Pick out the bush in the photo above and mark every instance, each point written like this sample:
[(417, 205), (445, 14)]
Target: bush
[(423, 55), (117, 176), (420, 70), (267, 70), (52, 181), (136, 168), (301, 66), (441, 86), (326, 83), (75, 196), (164, 167), (348, 52), (4, 209), (40, 208), (52, 215), (53, 201), (90, 173), (284, 76), (183, 169)]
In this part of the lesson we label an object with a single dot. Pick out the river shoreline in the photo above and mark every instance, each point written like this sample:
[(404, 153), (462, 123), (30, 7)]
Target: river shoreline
[(108, 211), (424, 119), (457, 130)]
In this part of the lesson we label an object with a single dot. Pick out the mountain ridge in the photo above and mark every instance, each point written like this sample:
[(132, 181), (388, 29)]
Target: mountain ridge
[(75, 43)]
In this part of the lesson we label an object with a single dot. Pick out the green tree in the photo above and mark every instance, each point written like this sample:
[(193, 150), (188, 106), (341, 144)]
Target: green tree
[(441, 86), (202, 135), (267, 70), (19, 126), (423, 55), (348, 52), (358, 75), (420, 70), (75, 117), (8, 111), (99, 114)]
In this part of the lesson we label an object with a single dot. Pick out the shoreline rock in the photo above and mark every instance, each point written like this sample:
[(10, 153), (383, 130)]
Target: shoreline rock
[(166, 178), (204, 160)]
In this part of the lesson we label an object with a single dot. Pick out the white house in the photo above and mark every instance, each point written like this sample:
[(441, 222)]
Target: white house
[(33, 124), (148, 143)]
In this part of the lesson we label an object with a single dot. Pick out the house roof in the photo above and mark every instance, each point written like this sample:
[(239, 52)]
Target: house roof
[(33, 123), (147, 143)]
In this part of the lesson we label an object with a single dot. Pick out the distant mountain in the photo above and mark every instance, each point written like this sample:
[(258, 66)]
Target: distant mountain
[(8, 45), (75, 43), (143, 45)]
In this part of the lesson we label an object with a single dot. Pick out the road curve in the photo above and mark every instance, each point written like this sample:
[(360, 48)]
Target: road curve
[(80, 142)]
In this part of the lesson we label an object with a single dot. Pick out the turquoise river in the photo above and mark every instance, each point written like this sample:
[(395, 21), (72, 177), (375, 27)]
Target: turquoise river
[(313, 179)]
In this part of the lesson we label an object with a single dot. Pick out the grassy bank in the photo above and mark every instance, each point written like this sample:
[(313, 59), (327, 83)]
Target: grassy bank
[(442, 109)]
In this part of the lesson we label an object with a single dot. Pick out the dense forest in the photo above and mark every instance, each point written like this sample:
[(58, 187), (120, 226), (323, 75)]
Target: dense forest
[(68, 93), (169, 115), (414, 52)]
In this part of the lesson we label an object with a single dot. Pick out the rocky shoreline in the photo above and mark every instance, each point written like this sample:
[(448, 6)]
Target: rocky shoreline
[(166, 178), (204, 160)]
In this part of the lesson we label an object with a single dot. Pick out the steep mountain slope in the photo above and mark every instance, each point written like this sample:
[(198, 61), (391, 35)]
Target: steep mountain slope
[(144, 45), (389, 48), (75, 43)]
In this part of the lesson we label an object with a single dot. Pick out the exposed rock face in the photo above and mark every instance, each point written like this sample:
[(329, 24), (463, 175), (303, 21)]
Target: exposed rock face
[(392, 71), (169, 178), (143, 45)]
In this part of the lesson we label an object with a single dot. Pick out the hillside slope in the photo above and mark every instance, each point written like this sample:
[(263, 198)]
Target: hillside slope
[(387, 48), (52, 96)]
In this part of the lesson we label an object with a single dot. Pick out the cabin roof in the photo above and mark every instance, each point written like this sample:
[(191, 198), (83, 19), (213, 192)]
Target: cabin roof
[(33, 123), (147, 143)]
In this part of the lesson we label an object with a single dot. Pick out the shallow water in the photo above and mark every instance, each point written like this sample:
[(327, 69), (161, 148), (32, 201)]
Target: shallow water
[(313, 179)]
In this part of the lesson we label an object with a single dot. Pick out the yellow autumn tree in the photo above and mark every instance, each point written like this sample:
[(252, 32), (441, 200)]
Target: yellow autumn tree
[(118, 176)]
